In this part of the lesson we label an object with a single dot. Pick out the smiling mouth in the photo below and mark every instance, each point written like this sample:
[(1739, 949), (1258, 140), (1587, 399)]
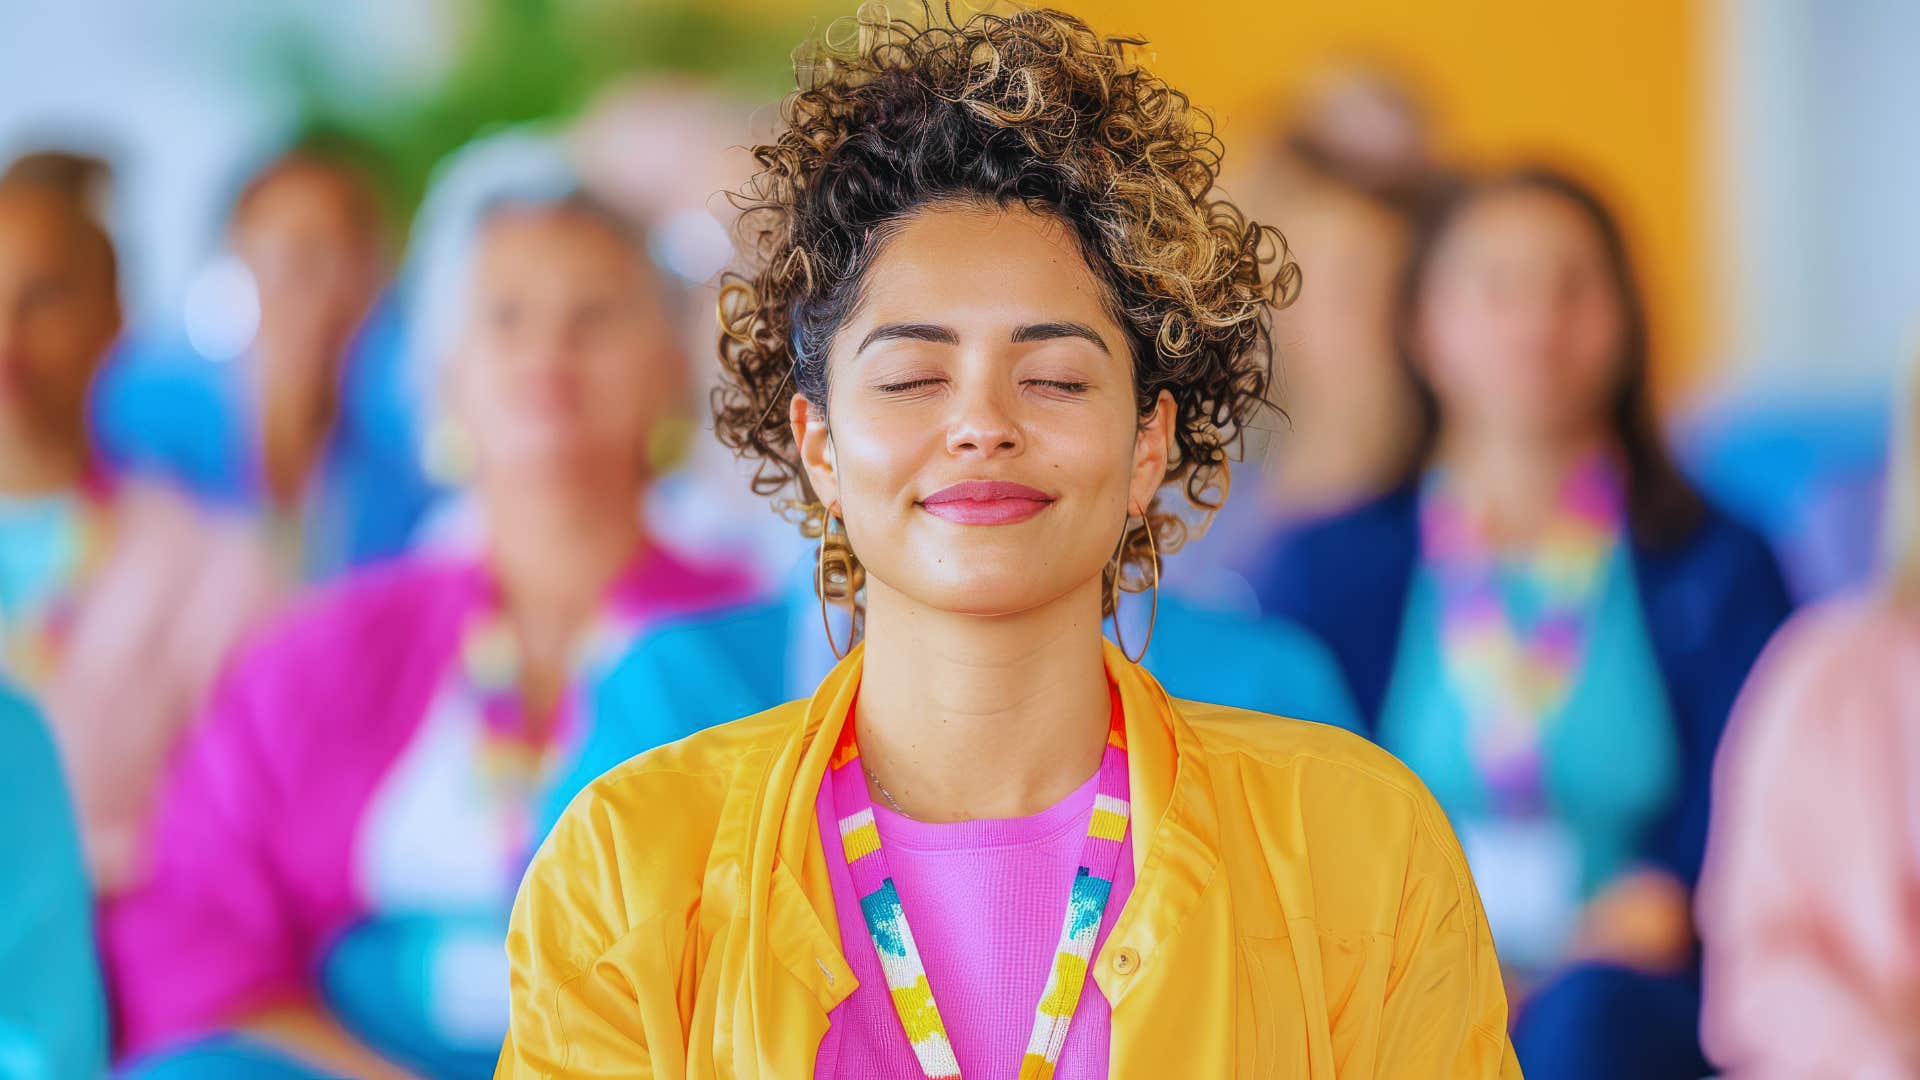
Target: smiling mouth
[(986, 502)]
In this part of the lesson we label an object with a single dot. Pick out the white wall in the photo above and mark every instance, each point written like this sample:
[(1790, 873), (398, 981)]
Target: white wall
[(1819, 103)]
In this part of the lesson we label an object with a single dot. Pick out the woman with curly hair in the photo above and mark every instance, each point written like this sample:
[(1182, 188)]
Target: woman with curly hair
[(994, 308)]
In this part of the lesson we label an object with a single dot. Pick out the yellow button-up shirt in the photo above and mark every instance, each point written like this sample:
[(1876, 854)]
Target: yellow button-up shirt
[(1300, 909)]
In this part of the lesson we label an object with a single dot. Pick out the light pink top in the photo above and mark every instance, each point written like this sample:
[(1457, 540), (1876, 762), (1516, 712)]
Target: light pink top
[(985, 900), (176, 592), (1810, 904)]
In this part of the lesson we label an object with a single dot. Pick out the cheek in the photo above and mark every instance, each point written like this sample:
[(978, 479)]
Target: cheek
[(481, 391), (1461, 352), (877, 455), (476, 379), (57, 340), (628, 384), (1091, 457), (1595, 341)]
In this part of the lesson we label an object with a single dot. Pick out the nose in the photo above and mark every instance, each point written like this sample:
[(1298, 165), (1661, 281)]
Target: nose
[(982, 425), (549, 343)]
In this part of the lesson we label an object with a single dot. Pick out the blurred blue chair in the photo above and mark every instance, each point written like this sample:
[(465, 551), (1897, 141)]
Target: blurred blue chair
[(1808, 474)]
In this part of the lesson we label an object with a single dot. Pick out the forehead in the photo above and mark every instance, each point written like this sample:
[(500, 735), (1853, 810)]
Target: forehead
[(536, 239), (551, 245), (963, 263), (305, 192), (1523, 223)]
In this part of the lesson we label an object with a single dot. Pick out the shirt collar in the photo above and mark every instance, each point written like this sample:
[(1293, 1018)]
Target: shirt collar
[(1175, 845)]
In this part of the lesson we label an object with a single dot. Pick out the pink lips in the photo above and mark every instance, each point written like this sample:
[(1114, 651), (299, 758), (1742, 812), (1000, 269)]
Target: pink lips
[(986, 502)]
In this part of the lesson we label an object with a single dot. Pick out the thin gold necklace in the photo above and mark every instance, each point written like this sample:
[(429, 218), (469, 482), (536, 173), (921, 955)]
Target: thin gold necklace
[(884, 793)]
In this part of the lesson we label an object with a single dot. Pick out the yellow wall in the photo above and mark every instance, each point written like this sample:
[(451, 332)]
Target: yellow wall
[(1613, 88)]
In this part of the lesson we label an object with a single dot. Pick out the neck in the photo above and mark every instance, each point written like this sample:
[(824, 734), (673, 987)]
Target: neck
[(31, 467), (1513, 484), (965, 716), (555, 547), (1341, 443), (295, 424)]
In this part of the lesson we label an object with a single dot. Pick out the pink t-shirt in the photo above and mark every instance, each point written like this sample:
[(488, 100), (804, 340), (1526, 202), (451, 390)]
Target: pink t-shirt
[(985, 900)]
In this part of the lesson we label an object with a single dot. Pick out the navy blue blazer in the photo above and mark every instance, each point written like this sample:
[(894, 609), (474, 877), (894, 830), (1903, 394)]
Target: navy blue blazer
[(1711, 602)]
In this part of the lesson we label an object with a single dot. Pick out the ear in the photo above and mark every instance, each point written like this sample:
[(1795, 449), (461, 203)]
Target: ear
[(1152, 450), (810, 434)]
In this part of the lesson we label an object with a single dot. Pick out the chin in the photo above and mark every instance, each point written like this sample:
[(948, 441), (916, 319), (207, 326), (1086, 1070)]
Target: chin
[(1007, 592)]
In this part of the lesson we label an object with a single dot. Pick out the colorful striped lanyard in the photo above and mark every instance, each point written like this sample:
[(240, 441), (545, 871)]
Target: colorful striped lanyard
[(1513, 666), (34, 639), (516, 766), (893, 940)]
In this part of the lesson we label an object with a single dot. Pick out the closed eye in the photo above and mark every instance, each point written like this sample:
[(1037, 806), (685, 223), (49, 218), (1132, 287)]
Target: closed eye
[(909, 384), (1061, 385)]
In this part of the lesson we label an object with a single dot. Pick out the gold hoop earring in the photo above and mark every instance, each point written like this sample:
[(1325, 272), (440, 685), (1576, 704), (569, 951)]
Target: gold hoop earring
[(820, 584), (1153, 615)]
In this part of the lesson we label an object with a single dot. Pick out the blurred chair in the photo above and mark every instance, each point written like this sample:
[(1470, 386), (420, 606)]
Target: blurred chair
[(1809, 474)]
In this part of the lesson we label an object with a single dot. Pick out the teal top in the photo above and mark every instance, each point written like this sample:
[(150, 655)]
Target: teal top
[(53, 1019), (40, 540), (1610, 754)]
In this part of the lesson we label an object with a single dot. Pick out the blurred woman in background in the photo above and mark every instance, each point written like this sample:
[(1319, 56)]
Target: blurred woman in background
[(1810, 904), (118, 600), (341, 841), (1547, 623), (307, 430), (1346, 172), (1349, 170)]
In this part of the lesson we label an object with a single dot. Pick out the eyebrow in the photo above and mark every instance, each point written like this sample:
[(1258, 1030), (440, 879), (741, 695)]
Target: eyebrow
[(941, 335), (908, 332), (1048, 331)]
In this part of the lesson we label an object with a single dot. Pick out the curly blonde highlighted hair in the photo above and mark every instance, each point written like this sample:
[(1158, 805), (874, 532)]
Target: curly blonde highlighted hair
[(896, 113)]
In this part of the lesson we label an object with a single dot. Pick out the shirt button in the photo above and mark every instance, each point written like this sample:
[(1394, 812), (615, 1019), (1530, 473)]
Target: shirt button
[(1124, 961)]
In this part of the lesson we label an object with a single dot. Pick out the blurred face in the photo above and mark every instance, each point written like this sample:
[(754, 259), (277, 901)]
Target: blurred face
[(310, 239), (1343, 319), (1520, 328), (982, 440), (566, 359), (58, 315)]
